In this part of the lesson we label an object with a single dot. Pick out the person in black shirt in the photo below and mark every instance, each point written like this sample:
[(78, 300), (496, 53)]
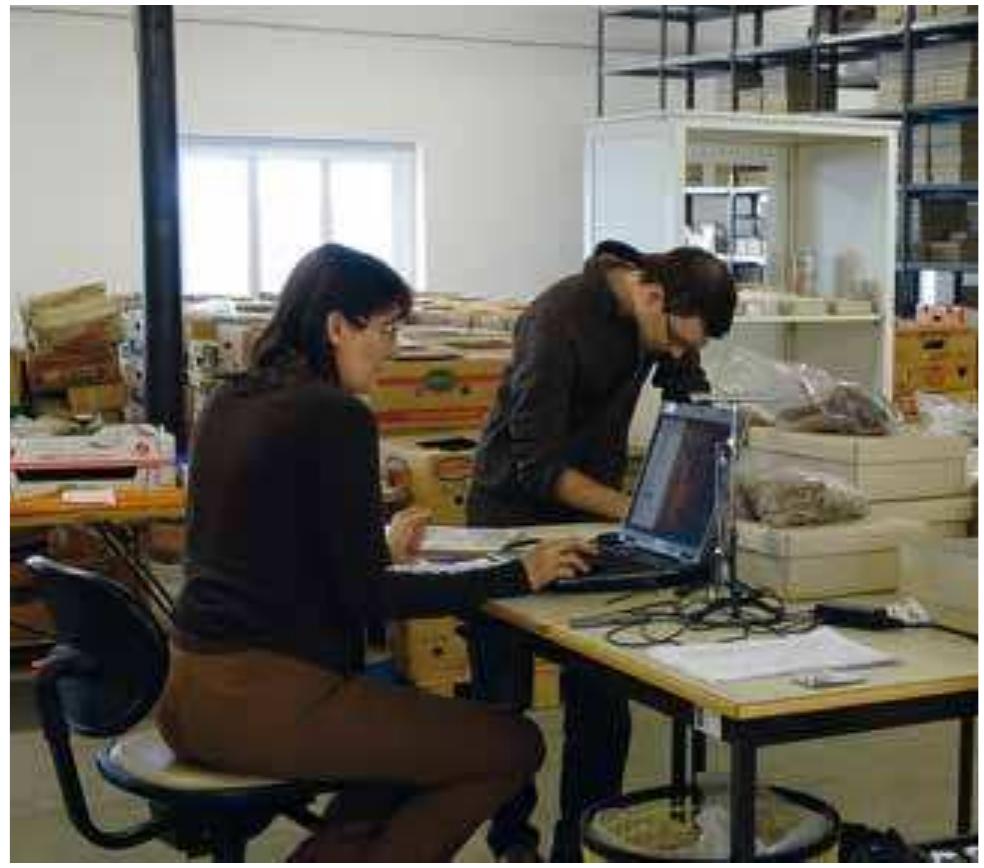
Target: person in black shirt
[(554, 450), (287, 560)]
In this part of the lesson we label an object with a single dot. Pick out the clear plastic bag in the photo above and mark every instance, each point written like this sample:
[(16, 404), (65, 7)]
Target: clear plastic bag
[(802, 398), (790, 497), (942, 416)]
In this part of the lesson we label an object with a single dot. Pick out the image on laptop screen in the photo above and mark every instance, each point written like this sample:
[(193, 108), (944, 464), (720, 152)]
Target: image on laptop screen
[(674, 498)]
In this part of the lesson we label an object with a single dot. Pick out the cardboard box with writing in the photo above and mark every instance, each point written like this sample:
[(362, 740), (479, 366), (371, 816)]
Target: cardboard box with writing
[(434, 469), (445, 391)]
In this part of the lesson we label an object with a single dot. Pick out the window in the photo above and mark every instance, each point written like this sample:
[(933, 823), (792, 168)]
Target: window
[(250, 209)]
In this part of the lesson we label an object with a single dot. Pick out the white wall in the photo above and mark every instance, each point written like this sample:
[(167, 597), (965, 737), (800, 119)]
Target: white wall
[(74, 155), (496, 98)]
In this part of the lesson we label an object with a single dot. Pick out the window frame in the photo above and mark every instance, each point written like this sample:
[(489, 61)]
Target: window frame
[(402, 157)]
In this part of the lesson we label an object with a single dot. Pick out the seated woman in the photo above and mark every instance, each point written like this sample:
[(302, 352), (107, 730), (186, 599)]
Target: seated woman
[(288, 560)]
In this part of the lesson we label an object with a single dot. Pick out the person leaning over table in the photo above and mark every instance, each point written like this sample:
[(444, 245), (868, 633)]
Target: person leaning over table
[(554, 450), (287, 560)]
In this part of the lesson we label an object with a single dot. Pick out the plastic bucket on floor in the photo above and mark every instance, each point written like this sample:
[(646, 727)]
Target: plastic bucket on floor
[(663, 825)]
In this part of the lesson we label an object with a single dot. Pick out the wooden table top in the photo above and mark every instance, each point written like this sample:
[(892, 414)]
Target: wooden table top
[(931, 663), (133, 506)]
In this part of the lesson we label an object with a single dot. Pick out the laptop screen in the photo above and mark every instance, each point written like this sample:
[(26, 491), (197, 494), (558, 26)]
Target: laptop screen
[(673, 507)]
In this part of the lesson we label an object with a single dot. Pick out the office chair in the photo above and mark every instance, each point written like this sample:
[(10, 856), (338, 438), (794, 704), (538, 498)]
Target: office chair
[(103, 676)]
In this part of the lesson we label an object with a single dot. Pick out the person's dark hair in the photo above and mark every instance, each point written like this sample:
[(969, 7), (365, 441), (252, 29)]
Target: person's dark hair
[(329, 278), (696, 283), (618, 249)]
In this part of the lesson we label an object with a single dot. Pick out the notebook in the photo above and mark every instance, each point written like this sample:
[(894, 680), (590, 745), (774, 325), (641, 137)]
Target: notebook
[(666, 537)]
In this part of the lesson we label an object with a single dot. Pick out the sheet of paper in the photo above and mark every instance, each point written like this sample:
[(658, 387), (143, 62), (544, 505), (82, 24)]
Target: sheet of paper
[(822, 648), (431, 566), (470, 540), (90, 496)]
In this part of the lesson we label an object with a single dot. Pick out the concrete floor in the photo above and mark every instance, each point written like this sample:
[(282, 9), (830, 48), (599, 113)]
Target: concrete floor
[(903, 778)]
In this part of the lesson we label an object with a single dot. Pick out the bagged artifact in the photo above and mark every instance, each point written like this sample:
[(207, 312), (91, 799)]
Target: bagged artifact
[(799, 397), (789, 497)]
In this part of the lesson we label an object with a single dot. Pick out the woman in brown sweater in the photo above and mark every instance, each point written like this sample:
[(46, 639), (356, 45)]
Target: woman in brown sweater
[(288, 560)]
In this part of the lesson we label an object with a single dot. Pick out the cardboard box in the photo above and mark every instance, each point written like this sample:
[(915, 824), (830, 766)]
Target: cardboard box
[(18, 394), (95, 399), (434, 469), (943, 576), (430, 653), (812, 563), (57, 370), (943, 516), (236, 339), (789, 88), (450, 392), (429, 650), (901, 467), (935, 360)]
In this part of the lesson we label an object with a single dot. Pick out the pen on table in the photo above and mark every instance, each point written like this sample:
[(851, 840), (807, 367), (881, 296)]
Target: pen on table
[(519, 543)]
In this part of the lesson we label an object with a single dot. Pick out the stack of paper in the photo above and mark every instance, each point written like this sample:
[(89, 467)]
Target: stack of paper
[(823, 648)]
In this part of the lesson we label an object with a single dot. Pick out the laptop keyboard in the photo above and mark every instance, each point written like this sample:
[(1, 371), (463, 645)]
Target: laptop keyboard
[(617, 560)]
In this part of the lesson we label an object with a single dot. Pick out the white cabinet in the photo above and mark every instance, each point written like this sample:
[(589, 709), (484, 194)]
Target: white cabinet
[(834, 194)]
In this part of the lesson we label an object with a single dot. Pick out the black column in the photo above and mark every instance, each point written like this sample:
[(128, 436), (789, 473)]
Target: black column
[(162, 254)]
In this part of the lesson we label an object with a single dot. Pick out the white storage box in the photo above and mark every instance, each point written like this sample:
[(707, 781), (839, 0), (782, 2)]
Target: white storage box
[(834, 560), (942, 575), (901, 467), (944, 516)]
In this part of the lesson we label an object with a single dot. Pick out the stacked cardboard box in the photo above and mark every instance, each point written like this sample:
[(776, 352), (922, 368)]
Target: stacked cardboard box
[(951, 152), (943, 74), (935, 360), (909, 476), (439, 309), (945, 229), (446, 389), (812, 563), (132, 357), (18, 393), (789, 88), (433, 470), (73, 358), (431, 653)]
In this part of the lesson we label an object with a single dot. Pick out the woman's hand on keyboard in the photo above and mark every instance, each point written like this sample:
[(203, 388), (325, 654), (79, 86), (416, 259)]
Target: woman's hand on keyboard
[(557, 559)]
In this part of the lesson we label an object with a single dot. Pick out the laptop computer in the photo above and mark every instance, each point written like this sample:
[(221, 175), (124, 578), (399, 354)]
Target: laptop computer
[(666, 537)]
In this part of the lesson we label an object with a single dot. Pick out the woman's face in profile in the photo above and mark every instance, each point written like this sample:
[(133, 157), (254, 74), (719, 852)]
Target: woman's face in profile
[(361, 349)]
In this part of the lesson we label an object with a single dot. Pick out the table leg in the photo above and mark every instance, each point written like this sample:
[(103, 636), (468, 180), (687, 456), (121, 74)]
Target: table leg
[(116, 541), (678, 762), (965, 781), (742, 801), (698, 755)]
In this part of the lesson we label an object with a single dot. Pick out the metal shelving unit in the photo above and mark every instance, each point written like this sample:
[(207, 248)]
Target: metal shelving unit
[(825, 52)]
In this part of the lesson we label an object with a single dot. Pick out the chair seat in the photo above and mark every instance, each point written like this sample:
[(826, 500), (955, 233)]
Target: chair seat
[(142, 760)]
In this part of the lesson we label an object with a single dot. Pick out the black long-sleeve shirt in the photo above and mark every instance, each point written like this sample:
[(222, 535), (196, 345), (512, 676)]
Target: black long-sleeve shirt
[(566, 401), (286, 544)]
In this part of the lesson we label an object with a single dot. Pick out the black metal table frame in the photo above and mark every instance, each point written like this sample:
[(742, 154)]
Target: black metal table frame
[(747, 737)]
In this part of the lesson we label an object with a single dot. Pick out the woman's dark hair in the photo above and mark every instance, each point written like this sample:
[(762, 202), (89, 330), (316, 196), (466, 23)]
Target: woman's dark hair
[(329, 278), (696, 283), (619, 250)]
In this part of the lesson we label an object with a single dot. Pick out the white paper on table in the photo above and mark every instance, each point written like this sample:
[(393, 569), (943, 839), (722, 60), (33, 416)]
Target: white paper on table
[(470, 540), (822, 648), (89, 496)]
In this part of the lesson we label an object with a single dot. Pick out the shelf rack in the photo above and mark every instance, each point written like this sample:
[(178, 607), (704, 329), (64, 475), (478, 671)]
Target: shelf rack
[(823, 51)]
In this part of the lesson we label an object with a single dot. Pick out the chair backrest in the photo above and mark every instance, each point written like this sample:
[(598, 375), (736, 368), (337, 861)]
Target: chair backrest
[(121, 650)]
